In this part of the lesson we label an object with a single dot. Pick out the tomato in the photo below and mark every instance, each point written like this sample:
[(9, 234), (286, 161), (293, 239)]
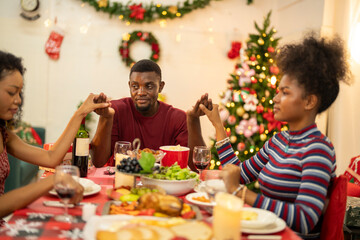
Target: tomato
[(189, 215), (147, 212)]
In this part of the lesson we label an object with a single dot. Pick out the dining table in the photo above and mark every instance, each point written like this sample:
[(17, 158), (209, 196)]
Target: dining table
[(36, 221)]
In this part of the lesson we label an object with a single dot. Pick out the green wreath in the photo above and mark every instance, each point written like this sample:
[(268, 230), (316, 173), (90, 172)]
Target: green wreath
[(129, 39)]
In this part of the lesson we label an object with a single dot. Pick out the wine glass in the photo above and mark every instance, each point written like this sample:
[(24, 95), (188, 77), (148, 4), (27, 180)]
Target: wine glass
[(201, 158), (121, 149), (66, 177)]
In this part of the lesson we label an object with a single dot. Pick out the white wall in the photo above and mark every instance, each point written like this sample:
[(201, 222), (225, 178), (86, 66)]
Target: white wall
[(90, 62)]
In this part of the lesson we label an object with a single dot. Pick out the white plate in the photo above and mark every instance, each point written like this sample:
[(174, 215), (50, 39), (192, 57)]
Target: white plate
[(90, 187), (190, 197), (275, 227), (264, 218)]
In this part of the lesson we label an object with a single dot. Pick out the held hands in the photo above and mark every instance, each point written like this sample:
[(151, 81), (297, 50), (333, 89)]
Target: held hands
[(90, 104), (212, 114), (230, 174), (107, 111), (196, 112)]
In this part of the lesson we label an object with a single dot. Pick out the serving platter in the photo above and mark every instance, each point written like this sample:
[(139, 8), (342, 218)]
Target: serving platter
[(107, 205), (113, 223)]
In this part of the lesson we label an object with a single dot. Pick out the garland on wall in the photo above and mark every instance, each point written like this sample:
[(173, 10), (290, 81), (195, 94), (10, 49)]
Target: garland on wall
[(139, 13), (130, 38)]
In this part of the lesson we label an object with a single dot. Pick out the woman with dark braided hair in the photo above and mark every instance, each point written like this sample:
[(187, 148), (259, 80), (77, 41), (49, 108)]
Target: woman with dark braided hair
[(295, 167), (11, 85)]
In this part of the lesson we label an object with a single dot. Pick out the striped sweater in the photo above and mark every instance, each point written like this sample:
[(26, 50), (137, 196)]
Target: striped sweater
[(294, 169)]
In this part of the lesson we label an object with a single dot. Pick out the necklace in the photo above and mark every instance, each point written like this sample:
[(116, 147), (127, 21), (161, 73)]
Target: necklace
[(288, 143)]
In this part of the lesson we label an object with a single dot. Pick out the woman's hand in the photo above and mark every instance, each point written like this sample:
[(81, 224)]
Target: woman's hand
[(95, 103), (212, 114), (67, 180), (231, 177), (105, 112), (196, 112)]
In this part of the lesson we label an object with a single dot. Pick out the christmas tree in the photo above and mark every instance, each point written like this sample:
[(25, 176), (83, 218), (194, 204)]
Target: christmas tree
[(246, 107)]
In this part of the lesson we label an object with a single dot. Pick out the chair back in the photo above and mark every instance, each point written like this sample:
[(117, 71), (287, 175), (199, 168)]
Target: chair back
[(332, 226)]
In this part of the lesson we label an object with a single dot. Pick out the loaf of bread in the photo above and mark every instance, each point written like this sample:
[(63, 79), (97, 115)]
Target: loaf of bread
[(191, 230)]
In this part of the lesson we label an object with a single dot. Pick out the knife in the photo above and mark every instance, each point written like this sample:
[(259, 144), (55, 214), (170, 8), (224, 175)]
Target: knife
[(264, 237), (59, 204)]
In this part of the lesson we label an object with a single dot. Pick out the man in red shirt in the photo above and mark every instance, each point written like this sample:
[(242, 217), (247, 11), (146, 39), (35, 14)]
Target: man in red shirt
[(142, 116)]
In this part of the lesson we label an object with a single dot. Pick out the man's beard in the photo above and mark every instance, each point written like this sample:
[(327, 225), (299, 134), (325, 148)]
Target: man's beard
[(143, 108)]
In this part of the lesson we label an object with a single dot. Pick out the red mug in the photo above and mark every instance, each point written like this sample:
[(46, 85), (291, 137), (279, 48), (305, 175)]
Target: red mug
[(174, 154)]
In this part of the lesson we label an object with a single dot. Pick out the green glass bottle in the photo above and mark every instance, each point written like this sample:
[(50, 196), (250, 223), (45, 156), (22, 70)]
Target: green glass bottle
[(80, 150)]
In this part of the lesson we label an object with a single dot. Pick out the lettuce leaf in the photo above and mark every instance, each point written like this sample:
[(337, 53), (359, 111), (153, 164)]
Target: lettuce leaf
[(146, 161)]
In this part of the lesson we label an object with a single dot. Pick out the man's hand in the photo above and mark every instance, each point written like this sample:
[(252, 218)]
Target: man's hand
[(196, 112), (106, 112)]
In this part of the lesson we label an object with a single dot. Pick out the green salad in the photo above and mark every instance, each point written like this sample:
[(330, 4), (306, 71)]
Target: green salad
[(173, 173)]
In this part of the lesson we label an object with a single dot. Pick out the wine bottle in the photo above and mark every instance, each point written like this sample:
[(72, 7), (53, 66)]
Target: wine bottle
[(80, 151)]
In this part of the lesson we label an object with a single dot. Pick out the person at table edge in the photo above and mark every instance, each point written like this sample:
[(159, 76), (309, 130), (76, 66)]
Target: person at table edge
[(11, 85), (295, 167), (142, 116)]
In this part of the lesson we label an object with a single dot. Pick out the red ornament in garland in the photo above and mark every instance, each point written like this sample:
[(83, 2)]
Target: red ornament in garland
[(147, 37), (252, 58), (137, 11), (271, 49)]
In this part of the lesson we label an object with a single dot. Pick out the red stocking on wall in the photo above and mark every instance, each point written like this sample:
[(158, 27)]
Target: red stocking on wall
[(53, 44)]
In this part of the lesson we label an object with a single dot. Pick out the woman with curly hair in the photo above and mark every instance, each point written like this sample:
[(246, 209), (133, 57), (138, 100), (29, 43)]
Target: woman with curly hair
[(294, 168), (11, 85)]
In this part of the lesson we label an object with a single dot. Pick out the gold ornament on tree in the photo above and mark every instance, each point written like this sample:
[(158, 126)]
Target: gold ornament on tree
[(263, 137), (233, 139), (261, 41), (240, 111)]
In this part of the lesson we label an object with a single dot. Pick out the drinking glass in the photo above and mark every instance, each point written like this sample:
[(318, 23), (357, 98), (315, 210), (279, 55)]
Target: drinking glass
[(227, 217), (201, 158), (122, 150), (213, 184), (66, 177)]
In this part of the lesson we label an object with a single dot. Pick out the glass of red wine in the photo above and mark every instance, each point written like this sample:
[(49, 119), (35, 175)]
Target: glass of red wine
[(201, 158), (65, 184)]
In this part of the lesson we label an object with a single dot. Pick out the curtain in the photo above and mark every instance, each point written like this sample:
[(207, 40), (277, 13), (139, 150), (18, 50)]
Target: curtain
[(344, 115)]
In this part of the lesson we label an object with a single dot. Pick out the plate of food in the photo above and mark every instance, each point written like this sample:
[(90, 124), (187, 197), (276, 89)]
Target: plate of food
[(200, 198), (90, 188), (135, 227), (256, 220), (152, 204)]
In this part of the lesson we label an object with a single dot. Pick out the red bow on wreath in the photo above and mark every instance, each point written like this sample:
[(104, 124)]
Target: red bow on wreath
[(137, 11), (272, 123)]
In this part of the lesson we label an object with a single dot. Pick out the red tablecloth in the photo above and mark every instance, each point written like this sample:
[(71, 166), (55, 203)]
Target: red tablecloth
[(36, 221)]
